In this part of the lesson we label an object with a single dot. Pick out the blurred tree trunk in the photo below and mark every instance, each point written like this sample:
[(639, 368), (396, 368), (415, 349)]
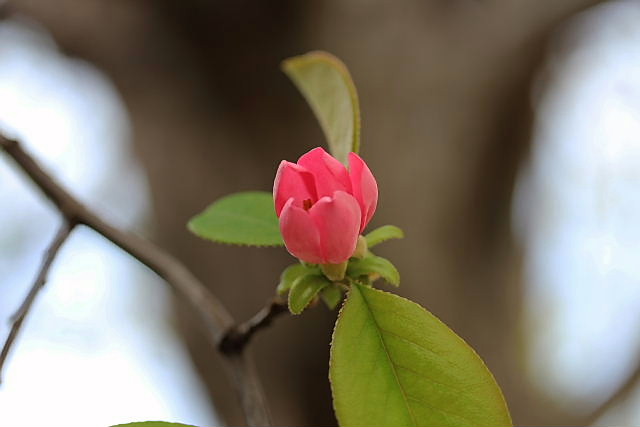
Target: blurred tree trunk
[(444, 88)]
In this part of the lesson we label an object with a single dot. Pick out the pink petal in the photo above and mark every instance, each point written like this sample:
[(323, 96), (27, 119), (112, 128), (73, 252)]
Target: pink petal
[(300, 234), (330, 175), (365, 188), (338, 222), (293, 181)]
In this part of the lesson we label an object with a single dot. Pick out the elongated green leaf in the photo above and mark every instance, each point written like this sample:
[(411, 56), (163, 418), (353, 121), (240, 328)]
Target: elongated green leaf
[(394, 364), (304, 290), (291, 273), (247, 218), (326, 84), (376, 265), (382, 234), (153, 424), (331, 295)]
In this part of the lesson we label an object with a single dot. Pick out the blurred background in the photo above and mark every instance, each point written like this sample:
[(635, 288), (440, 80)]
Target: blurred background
[(505, 137)]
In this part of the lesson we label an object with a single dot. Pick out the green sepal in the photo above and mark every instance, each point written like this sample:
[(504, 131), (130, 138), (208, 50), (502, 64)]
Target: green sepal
[(304, 290), (247, 218), (374, 265), (334, 272), (331, 295), (293, 272), (382, 234)]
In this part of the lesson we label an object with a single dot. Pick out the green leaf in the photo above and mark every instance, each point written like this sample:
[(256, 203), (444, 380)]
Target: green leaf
[(247, 218), (304, 290), (331, 295), (374, 265), (291, 273), (153, 424), (326, 84), (395, 364), (382, 234)]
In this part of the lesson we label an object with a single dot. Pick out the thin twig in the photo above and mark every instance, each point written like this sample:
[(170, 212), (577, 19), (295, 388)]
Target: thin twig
[(41, 278), (216, 318), (210, 311), (236, 338)]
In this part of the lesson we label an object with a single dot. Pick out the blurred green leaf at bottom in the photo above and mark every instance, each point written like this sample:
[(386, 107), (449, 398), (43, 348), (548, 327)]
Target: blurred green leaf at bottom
[(153, 424)]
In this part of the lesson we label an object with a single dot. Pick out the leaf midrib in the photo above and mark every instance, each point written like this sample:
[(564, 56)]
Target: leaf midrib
[(386, 352), (394, 367), (253, 219)]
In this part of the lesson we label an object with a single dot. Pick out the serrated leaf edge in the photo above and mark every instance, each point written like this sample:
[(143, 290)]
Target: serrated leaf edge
[(401, 236), (331, 351), (309, 302), (322, 292), (191, 229), (309, 270), (395, 282), (482, 363), (227, 243)]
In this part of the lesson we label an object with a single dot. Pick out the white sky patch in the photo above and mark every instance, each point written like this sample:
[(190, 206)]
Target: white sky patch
[(98, 348), (578, 211)]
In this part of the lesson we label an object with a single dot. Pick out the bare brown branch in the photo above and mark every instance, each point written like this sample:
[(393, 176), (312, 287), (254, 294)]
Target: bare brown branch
[(217, 321), (216, 318), (41, 278), (237, 337)]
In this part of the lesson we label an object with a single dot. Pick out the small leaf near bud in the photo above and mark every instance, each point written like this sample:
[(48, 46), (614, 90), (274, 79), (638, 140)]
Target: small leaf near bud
[(382, 234), (293, 272), (374, 267), (331, 295), (304, 291)]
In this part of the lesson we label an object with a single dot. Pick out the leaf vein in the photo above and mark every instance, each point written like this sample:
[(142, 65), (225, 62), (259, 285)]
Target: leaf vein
[(467, 421), (386, 351), (429, 350)]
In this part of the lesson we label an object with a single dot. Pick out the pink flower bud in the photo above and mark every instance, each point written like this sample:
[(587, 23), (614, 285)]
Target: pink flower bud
[(365, 188), (322, 206)]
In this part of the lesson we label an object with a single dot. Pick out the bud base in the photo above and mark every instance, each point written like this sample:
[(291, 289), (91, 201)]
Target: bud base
[(334, 272)]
